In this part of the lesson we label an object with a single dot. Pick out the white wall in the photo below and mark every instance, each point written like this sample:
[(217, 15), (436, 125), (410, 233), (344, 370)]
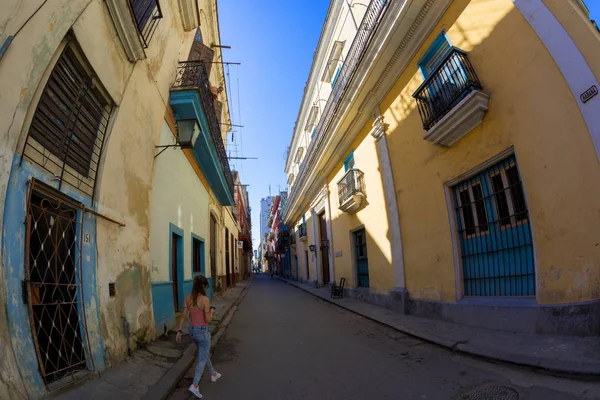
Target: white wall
[(179, 197)]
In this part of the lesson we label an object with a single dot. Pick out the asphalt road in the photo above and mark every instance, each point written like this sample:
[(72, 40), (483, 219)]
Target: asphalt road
[(285, 344)]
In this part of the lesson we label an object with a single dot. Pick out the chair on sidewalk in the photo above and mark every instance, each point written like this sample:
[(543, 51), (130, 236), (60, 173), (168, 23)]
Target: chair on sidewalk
[(337, 291)]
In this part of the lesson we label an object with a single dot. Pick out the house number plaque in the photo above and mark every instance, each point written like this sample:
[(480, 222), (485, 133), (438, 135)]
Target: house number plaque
[(588, 94)]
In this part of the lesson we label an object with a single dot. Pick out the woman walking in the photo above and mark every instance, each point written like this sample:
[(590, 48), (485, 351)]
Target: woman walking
[(197, 306)]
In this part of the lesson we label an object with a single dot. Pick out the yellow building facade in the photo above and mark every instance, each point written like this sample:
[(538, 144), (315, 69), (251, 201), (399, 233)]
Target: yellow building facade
[(456, 138)]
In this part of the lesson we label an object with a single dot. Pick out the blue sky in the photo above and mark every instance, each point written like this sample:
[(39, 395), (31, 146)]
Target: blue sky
[(594, 7), (275, 41)]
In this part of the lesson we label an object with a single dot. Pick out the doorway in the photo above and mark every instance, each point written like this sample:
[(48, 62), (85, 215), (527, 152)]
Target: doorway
[(361, 258), (213, 249), (324, 248), (176, 269), (227, 264), (307, 268), (53, 279)]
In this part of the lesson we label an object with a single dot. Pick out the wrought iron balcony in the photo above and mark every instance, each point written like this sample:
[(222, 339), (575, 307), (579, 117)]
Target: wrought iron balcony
[(192, 84), (450, 83), (351, 190)]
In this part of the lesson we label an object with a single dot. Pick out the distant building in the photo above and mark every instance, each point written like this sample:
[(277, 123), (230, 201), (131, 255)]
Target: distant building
[(265, 211)]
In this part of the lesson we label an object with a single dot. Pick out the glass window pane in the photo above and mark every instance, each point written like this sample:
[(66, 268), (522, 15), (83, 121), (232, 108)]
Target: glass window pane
[(501, 200), (467, 212), (480, 208), (516, 192)]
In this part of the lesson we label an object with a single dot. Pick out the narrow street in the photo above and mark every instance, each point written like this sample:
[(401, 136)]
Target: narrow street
[(285, 344)]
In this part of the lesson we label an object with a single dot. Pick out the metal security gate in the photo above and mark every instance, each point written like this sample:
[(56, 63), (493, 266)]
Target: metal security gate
[(54, 286), (495, 236)]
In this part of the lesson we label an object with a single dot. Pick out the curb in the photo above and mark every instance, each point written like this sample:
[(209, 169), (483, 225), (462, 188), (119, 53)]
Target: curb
[(553, 367), (165, 385)]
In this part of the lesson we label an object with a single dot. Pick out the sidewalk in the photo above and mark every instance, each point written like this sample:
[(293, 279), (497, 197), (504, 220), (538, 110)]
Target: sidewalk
[(557, 354), (152, 372)]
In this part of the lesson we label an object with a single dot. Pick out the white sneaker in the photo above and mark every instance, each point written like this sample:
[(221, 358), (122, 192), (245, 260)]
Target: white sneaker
[(215, 377), (195, 391)]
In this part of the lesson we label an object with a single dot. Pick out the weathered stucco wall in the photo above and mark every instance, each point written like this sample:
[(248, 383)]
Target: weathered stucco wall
[(371, 216), (182, 200), (21, 69), (552, 145), (140, 92)]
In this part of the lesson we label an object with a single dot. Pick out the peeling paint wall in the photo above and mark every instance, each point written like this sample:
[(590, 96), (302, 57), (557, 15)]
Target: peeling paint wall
[(124, 188)]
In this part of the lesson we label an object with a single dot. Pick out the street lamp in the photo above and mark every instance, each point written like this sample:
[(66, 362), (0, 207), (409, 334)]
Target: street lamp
[(188, 131)]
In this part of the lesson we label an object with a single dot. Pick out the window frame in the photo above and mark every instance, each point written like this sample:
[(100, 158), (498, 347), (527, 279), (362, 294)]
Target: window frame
[(434, 56), (32, 149), (334, 58), (349, 159)]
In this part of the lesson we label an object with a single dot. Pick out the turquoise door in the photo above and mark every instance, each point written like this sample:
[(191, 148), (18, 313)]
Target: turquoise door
[(362, 261), (495, 235)]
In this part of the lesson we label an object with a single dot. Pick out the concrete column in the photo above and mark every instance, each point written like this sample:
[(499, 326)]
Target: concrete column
[(399, 292)]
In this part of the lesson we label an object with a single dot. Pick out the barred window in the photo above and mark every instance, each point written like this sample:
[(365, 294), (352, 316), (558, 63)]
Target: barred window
[(68, 127)]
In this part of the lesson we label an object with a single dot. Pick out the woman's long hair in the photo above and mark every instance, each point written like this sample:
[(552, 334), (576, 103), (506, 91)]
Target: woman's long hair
[(199, 287)]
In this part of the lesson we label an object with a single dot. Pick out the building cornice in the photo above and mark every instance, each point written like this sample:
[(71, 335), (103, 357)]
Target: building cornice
[(314, 75), (403, 28)]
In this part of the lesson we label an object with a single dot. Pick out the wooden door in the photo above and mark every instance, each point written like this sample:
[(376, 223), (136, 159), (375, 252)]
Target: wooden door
[(495, 235), (227, 264), (174, 265), (213, 249), (324, 248)]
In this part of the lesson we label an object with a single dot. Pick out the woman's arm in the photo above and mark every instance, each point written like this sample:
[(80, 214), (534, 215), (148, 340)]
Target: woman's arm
[(208, 312), (184, 315)]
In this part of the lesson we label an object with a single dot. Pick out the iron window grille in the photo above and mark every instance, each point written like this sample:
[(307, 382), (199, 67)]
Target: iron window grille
[(351, 183), (452, 80), (70, 123), (192, 75), (495, 236), (146, 14)]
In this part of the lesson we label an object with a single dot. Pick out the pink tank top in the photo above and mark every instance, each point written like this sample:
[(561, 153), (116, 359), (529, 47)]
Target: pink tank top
[(197, 314)]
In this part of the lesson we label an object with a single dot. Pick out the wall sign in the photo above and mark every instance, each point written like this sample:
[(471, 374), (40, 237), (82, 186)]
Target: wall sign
[(240, 244), (338, 253), (87, 238), (588, 94)]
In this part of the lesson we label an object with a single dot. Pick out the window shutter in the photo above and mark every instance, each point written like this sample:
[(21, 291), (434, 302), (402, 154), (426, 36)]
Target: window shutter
[(70, 115), (201, 52)]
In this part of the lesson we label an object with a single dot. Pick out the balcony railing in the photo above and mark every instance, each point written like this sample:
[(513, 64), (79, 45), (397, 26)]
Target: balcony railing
[(192, 75), (351, 184), (368, 26), (446, 87), (146, 13)]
